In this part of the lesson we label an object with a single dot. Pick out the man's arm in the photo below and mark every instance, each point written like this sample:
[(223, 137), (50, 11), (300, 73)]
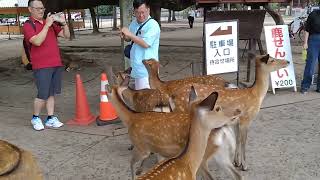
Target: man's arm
[(65, 33), (38, 39), (128, 35), (306, 37)]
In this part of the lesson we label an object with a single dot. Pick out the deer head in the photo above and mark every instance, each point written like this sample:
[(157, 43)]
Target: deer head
[(270, 64)]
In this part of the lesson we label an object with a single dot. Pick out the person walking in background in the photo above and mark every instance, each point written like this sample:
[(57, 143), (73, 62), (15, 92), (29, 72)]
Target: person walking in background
[(144, 32), (312, 44), (191, 16), (41, 34)]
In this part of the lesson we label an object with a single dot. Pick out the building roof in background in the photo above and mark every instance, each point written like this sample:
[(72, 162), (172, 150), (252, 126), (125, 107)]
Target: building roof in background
[(12, 3)]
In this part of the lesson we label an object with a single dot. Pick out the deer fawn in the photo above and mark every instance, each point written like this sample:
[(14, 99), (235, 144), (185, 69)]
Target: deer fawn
[(158, 132), (205, 116), (248, 100), (17, 164)]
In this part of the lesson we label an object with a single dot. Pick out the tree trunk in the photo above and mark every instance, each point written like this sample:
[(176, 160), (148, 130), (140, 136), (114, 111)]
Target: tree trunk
[(169, 16), (70, 24), (114, 27), (276, 16), (94, 21), (125, 19), (155, 11), (174, 16)]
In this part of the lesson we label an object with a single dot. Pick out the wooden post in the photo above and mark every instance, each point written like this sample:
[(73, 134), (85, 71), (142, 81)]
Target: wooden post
[(115, 18), (125, 19), (251, 57)]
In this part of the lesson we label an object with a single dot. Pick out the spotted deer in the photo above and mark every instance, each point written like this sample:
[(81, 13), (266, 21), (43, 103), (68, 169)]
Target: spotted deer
[(185, 166), (248, 100), (149, 99), (158, 132), (17, 164), (143, 100)]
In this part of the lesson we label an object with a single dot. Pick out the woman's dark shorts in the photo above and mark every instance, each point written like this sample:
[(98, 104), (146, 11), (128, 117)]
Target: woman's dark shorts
[(48, 81)]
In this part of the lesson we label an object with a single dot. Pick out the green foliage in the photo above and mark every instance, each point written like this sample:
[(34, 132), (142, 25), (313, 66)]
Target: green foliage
[(274, 6), (8, 16), (104, 10)]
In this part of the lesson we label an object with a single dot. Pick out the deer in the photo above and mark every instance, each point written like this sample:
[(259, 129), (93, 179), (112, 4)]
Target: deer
[(149, 99), (17, 164), (248, 100), (205, 116), (143, 100), (163, 133)]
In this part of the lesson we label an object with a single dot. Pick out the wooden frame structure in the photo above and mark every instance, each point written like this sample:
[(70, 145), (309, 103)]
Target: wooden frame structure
[(13, 29)]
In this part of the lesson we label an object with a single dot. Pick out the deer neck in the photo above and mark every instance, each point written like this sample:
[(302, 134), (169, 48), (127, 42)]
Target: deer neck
[(155, 81), (196, 146), (261, 84), (122, 110)]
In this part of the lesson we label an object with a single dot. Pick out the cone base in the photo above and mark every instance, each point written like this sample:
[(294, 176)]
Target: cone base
[(101, 122), (83, 121)]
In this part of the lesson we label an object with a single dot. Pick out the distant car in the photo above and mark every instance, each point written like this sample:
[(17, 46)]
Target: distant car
[(23, 19), (76, 16), (11, 21)]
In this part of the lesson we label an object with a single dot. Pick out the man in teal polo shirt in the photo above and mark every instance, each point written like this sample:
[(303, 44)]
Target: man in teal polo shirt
[(145, 43)]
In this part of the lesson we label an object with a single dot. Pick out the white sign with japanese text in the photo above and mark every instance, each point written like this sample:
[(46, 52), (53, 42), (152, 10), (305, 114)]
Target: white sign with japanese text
[(278, 46), (221, 47)]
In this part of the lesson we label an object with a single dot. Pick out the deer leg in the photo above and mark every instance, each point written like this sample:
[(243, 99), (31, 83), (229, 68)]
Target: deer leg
[(210, 151), (139, 169), (243, 135), (226, 152), (136, 157), (237, 155), (235, 173), (203, 171)]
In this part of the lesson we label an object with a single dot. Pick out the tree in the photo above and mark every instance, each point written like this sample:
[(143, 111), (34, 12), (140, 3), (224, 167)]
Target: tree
[(94, 20)]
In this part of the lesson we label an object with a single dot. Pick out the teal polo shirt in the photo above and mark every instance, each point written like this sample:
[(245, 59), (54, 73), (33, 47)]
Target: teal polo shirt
[(150, 33)]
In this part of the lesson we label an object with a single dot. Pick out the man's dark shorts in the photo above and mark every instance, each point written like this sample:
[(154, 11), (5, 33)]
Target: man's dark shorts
[(48, 81)]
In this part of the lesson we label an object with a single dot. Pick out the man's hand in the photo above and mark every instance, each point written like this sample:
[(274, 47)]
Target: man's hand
[(49, 20), (305, 45), (125, 33), (62, 18)]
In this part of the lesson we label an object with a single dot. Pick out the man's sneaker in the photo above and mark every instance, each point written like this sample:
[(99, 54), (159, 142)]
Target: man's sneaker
[(53, 122), (303, 91), (318, 90), (37, 124)]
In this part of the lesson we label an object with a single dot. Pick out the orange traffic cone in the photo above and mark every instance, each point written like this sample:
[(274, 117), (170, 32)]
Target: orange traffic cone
[(83, 114), (108, 114)]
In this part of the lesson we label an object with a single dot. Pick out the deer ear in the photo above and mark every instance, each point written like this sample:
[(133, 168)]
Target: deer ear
[(193, 95), (265, 58), (210, 101)]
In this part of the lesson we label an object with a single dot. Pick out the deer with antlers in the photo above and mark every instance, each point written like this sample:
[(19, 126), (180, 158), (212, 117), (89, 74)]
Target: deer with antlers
[(158, 132), (17, 164), (248, 100), (205, 116)]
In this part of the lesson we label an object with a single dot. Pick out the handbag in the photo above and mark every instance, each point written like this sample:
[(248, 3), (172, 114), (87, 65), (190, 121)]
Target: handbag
[(128, 47)]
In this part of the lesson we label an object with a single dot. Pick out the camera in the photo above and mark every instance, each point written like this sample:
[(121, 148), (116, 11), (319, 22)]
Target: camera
[(56, 16)]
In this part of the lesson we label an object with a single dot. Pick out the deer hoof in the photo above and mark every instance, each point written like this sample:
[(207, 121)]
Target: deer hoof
[(236, 163), (243, 167), (130, 148), (138, 171)]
